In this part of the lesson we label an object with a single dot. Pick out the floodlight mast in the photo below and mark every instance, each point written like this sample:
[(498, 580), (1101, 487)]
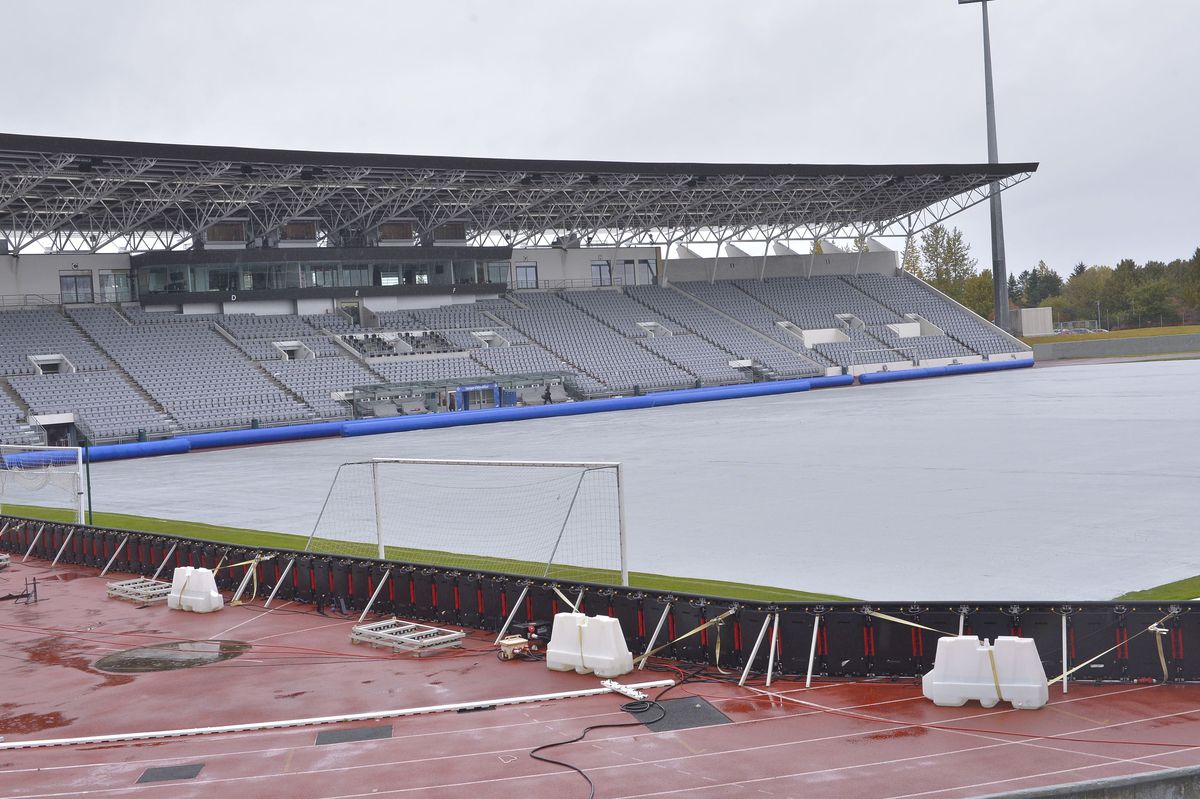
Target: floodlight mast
[(999, 270)]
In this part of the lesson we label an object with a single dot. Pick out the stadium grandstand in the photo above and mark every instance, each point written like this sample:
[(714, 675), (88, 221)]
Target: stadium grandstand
[(154, 290)]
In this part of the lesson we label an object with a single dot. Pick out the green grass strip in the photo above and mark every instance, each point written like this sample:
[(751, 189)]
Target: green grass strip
[(1140, 332), (1179, 590), (241, 536)]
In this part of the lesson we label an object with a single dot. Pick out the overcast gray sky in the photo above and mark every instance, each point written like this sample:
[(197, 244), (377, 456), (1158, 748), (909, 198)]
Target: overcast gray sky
[(1102, 92)]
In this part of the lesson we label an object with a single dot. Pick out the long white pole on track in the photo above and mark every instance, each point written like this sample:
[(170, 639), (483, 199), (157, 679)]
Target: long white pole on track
[(368, 716)]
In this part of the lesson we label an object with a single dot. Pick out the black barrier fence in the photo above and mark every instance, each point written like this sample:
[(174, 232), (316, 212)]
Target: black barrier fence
[(849, 642)]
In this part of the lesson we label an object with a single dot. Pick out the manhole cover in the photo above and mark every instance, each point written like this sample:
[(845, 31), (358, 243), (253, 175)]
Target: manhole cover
[(170, 655)]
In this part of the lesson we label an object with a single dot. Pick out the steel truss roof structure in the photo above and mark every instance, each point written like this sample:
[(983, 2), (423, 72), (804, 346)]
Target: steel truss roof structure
[(79, 195)]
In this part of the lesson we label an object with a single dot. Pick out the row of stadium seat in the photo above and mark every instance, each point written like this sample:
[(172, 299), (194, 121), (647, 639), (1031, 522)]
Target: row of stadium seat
[(606, 341)]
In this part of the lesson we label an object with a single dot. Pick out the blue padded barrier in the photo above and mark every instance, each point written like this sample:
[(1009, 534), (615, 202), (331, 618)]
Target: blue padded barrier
[(831, 381), (263, 435), (37, 459), (942, 371), (138, 449), (987, 366), (903, 374), (397, 424)]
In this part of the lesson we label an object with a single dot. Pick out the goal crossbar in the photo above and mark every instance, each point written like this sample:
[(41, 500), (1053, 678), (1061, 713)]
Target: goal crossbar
[(378, 491), (451, 462), (32, 459)]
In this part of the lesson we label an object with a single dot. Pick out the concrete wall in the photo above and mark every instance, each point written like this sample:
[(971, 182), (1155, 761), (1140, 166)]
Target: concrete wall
[(751, 267), (1070, 347), (1181, 783), (559, 268), (1035, 322), (38, 274)]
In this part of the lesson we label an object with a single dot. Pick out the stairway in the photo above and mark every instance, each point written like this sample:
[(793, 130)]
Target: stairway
[(113, 366), (26, 432)]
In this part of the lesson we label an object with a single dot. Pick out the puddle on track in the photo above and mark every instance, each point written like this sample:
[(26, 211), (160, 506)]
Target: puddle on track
[(170, 656)]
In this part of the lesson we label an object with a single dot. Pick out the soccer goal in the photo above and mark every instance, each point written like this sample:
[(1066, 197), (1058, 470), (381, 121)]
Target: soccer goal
[(42, 478), (536, 518)]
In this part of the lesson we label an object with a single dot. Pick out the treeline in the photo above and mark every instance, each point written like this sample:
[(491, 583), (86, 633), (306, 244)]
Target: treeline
[(1126, 295)]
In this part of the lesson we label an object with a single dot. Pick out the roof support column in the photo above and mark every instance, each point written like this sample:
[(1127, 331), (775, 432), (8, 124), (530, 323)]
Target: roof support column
[(712, 276), (762, 266)]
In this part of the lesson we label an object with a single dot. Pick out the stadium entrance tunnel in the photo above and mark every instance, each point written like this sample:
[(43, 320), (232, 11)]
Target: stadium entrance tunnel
[(170, 655)]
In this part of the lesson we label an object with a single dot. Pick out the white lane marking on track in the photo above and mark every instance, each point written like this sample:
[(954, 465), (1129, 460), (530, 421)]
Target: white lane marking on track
[(661, 762), (255, 617), (305, 630), (931, 756), (548, 724)]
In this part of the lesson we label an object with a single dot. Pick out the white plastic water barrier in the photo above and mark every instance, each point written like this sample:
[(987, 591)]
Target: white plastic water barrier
[(195, 590), (588, 644), (966, 668)]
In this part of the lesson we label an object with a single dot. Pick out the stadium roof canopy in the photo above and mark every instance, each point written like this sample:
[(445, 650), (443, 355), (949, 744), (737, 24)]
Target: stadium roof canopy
[(80, 195)]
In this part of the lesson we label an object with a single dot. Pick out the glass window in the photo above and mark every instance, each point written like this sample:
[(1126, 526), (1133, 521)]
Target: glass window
[(396, 231), (157, 279), (322, 275), (356, 275), (451, 231), (601, 273), (416, 274), (226, 232), (214, 277), (497, 272), (526, 275), (387, 275), (115, 287), (75, 286), (649, 269), (628, 273), (298, 231), (285, 276)]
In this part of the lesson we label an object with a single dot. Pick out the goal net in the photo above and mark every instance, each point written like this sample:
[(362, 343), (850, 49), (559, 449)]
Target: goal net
[(42, 481), (541, 519)]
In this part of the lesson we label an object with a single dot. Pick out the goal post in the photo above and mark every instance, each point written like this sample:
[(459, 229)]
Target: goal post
[(36, 478), (556, 519)]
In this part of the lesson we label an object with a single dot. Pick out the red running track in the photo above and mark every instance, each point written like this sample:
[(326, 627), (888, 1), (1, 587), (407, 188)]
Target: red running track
[(863, 739)]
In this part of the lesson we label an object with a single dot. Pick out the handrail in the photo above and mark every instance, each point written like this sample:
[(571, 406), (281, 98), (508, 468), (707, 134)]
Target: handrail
[(29, 300)]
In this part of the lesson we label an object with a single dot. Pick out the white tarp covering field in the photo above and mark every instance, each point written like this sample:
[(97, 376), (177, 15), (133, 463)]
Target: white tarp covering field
[(1078, 482)]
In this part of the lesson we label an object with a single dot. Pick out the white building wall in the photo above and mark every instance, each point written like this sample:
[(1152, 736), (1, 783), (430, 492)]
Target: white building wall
[(572, 268), (316, 306), (38, 274), (678, 270), (1035, 322)]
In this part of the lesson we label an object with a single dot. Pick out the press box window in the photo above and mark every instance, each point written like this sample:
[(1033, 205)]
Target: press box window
[(75, 286)]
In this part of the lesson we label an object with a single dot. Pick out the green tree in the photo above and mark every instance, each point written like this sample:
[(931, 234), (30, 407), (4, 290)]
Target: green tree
[(1043, 282), (1189, 291), (948, 264), (1150, 302), (910, 260), (1084, 290), (1027, 282), (977, 294), (1117, 289), (1079, 269), (1014, 289)]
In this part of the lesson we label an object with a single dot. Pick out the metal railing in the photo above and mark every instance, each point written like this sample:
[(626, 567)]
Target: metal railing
[(29, 300)]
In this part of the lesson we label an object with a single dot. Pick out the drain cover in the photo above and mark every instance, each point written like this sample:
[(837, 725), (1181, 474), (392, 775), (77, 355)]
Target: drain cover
[(169, 656)]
